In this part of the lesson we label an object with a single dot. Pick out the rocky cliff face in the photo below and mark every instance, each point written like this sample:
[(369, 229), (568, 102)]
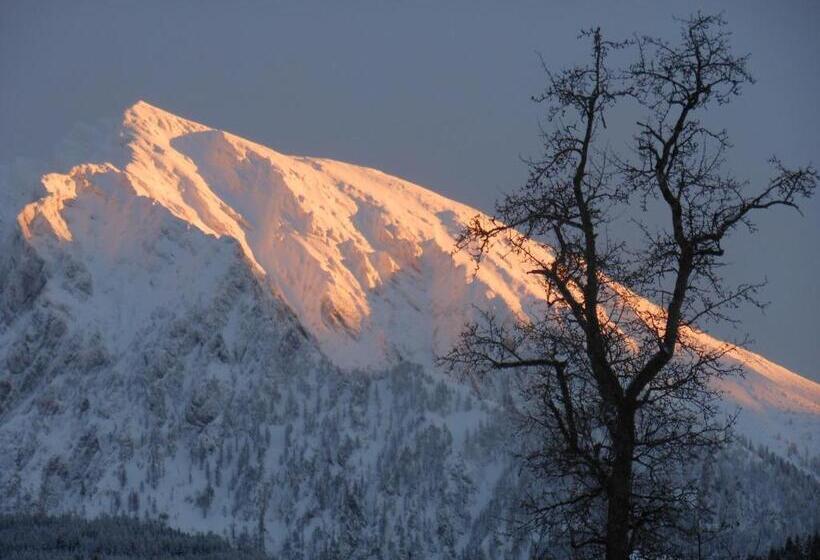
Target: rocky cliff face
[(198, 328)]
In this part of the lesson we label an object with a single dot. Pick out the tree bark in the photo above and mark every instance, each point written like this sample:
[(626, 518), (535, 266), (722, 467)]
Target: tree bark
[(620, 488)]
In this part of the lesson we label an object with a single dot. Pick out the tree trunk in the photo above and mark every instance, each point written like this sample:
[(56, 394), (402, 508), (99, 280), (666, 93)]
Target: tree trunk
[(620, 489)]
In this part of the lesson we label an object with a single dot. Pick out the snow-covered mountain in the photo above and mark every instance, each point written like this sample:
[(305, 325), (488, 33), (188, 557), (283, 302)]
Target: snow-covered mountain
[(196, 326)]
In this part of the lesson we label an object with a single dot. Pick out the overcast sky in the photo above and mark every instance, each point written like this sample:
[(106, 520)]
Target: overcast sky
[(438, 95)]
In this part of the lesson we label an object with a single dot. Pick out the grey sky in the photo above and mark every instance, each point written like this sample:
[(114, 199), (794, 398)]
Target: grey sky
[(439, 95)]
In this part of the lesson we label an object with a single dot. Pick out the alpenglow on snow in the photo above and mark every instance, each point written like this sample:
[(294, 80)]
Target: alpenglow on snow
[(197, 328)]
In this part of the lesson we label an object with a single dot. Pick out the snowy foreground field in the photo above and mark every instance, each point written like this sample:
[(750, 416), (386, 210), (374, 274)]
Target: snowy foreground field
[(198, 329)]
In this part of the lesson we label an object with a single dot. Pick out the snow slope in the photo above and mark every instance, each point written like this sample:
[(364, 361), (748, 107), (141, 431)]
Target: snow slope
[(176, 289), (364, 259)]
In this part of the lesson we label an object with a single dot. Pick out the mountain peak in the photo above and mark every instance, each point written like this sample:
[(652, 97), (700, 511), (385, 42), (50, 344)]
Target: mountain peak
[(364, 259), (143, 117), (191, 291), (143, 105), (145, 109)]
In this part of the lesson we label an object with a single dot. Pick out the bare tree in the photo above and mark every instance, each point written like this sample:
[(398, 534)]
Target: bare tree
[(619, 392)]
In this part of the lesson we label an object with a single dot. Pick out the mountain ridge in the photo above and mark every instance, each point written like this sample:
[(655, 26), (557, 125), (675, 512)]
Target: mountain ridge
[(153, 134), (182, 302)]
